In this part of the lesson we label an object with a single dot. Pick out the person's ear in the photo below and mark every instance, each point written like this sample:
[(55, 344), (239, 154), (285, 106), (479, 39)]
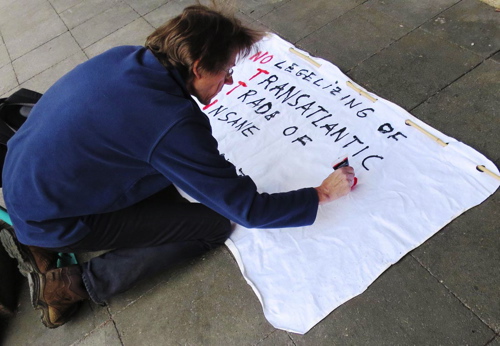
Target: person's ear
[(196, 69)]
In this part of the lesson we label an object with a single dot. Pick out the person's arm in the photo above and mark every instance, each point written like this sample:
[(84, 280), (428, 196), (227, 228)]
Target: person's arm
[(188, 156)]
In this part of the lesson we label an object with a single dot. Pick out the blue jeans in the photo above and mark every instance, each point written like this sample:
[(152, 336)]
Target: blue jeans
[(146, 238)]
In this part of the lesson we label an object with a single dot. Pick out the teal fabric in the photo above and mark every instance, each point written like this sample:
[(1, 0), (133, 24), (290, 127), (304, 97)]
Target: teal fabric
[(65, 259)]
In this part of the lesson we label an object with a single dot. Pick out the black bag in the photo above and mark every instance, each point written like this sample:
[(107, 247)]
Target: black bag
[(13, 113)]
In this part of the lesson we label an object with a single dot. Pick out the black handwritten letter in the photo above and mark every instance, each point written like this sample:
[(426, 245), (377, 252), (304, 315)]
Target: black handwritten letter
[(370, 157), (302, 139)]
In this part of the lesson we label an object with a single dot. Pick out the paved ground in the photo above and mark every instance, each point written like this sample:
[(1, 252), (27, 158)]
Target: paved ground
[(439, 59)]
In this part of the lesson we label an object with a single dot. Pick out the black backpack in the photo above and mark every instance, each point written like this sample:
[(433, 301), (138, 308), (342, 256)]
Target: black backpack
[(13, 113)]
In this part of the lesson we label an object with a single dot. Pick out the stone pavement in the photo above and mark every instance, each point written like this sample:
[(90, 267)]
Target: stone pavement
[(439, 59)]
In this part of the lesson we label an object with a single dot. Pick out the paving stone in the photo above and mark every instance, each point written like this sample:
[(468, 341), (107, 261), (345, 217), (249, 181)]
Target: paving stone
[(40, 24), (468, 109), (41, 82), (34, 332), (103, 24), (63, 5), (142, 7), (250, 22), (414, 68), (8, 79), (168, 11), (4, 55), (45, 56), (258, 8), (496, 57), (288, 20), (105, 334), (278, 337), (86, 10), (495, 342), (210, 304), (470, 24), (147, 287), (413, 13), (354, 37), (405, 306), (465, 257), (134, 33)]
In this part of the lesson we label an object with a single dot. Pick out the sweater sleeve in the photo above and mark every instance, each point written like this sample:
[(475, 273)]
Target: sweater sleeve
[(188, 156)]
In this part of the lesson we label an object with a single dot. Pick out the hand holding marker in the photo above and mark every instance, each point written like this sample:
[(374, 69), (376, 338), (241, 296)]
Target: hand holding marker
[(344, 163)]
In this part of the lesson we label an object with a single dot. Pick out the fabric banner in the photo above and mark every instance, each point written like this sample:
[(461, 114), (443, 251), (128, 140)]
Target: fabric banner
[(285, 121)]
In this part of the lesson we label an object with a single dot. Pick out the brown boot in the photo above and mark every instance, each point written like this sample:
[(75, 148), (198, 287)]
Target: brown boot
[(30, 259), (60, 291)]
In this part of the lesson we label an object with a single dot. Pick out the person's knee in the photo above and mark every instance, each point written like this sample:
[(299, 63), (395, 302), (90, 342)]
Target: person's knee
[(222, 231)]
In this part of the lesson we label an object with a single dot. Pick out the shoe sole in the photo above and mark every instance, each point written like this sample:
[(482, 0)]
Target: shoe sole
[(25, 261)]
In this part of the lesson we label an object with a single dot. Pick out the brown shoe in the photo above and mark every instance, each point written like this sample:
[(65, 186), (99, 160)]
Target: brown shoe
[(30, 258), (59, 294), (32, 261)]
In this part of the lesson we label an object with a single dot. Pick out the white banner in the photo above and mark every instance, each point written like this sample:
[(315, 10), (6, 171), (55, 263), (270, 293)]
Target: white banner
[(285, 122)]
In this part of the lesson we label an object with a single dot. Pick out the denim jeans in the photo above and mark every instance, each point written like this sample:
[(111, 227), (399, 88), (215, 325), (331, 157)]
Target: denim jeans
[(146, 238)]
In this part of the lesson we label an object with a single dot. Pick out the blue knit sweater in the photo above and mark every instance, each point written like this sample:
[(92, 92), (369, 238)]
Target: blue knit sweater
[(115, 130)]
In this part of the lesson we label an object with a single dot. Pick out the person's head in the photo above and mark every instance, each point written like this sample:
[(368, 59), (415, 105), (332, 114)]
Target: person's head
[(203, 45)]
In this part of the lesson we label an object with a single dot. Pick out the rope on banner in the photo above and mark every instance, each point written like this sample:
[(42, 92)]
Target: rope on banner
[(305, 57), (360, 91), (480, 168), (483, 169), (411, 123)]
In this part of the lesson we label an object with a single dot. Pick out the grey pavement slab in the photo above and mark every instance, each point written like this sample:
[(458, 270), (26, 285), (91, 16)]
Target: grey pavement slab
[(412, 13), (471, 24), (27, 329), (105, 334), (250, 22), (44, 80), (295, 20), (465, 257), (496, 56), (258, 8), (40, 24), (45, 56), (8, 80), (405, 306), (4, 55), (142, 7), (167, 11), (63, 5), (83, 11), (468, 109), (354, 37), (414, 68), (134, 33), (207, 303), (103, 24), (278, 337)]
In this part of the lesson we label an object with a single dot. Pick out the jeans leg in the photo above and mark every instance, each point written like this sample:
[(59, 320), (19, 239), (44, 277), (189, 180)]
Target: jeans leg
[(147, 238), (118, 270)]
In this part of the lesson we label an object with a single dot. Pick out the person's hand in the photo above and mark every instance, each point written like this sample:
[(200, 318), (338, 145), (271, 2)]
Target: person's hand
[(336, 185)]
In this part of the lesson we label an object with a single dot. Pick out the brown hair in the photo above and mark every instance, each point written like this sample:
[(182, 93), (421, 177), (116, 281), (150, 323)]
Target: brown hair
[(200, 33)]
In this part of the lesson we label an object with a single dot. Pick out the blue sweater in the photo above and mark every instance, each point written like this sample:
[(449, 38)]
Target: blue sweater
[(115, 130)]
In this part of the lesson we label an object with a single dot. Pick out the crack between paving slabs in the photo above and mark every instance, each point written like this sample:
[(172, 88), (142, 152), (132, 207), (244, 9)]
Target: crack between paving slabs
[(441, 282)]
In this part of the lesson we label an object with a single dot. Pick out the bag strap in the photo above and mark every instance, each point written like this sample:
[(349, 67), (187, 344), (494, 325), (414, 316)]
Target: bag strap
[(22, 97)]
